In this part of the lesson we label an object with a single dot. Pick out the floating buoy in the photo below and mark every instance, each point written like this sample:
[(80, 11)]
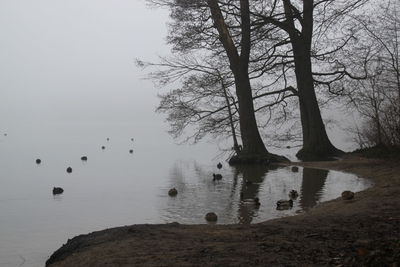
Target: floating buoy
[(103, 147), (69, 169), (219, 165), (131, 151), (84, 158), (38, 161)]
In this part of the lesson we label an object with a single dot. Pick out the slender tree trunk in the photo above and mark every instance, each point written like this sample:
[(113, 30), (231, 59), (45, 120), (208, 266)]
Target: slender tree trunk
[(236, 146), (316, 143)]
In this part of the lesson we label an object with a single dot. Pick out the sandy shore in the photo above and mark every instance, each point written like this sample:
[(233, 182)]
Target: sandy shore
[(364, 231)]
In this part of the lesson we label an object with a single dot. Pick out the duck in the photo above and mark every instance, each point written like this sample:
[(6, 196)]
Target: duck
[(217, 177), (293, 194), (211, 217), (284, 204), (172, 192), (57, 190), (38, 161), (131, 151), (69, 169), (84, 158), (103, 147), (219, 165), (295, 169)]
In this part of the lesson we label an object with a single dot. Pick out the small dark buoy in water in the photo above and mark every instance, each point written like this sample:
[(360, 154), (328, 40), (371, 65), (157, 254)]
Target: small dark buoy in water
[(211, 217), (131, 151), (108, 139), (132, 139), (38, 161), (172, 192), (217, 177), (84, 158), (69, 169), (295, 169), (5, 134), (219, 165), (57, 190), (103, 147)]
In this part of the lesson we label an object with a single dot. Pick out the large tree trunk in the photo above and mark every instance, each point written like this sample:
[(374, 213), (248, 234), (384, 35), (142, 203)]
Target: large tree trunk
[(316, 144), (254, 150), (252, 142)]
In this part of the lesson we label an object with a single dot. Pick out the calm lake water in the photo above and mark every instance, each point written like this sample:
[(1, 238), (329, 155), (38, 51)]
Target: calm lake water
[(115, 188)]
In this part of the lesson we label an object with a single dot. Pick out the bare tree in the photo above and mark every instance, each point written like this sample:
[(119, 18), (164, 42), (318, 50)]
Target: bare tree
[(377, 98), (268, 45), (308, 26), (223, 29)]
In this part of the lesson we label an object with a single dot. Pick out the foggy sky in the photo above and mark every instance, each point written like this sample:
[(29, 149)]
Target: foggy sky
[(74, 60)]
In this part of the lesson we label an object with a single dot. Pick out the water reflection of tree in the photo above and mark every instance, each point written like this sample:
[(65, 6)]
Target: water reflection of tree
[(312, 185), (253, 177)]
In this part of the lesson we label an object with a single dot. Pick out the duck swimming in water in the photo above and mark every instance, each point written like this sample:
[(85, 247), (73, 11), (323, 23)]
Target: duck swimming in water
[(217, 177), (293, 194), (57, 190), (284, 204), (219, 165)]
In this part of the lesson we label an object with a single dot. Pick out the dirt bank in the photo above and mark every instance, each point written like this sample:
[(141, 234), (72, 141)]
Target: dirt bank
[(364, 231)]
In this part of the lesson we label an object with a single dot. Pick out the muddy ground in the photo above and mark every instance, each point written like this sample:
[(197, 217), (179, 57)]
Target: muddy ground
[(364, 231)]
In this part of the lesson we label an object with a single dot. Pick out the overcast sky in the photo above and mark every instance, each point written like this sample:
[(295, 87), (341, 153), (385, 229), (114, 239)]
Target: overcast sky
[(67, 60)]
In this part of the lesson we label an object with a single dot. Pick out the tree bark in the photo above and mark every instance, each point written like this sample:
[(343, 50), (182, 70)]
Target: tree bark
[(252, 142), (254, 150), (316, 144)]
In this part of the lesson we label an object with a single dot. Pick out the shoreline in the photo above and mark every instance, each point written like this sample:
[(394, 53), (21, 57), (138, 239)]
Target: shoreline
[(362, 231)]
